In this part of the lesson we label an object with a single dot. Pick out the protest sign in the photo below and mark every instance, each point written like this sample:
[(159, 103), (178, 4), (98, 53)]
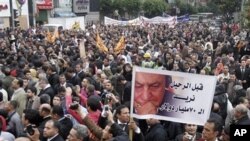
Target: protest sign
[(173, 96)]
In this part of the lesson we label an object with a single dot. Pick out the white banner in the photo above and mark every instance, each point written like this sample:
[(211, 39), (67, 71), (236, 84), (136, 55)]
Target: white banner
[(173, 96), (171, 21)]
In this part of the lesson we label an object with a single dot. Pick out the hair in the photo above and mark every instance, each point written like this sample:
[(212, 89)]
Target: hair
[(46, 109), (242, 100), (56, 124), (19, 82), (31, 115), (81, 131), (61, 89), (119, 109), (14, 104), (241, 108), (58, 110), (91, 89), (45, 98), (44, 79), (217, 124), (33, 89), (93, 103)]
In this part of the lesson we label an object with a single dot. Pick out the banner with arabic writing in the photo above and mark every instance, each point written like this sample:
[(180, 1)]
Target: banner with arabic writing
[(173, 96)]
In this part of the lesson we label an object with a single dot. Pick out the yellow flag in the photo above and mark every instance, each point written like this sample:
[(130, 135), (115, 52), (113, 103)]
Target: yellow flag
[(100, 44), (120, 45)]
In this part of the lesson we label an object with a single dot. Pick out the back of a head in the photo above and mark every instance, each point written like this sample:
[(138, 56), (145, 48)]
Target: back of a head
[(94, 102), (31, 115), (14, 104), (242, 109), (58, 110), (81, 131), (45, 98)]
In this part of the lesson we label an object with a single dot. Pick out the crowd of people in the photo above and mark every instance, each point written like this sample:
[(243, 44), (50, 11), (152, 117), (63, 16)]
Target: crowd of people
[(49, 91)]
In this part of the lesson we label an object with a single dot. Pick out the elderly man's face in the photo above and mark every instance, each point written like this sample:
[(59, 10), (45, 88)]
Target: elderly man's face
[(49, 130), (73, 136), (149, 92)]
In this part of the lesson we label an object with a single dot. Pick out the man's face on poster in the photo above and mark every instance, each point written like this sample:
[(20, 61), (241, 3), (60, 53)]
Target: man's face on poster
[(149, 92)]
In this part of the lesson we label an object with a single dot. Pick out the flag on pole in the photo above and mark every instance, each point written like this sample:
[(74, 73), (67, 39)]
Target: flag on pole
[(120, 45), (100, 44)]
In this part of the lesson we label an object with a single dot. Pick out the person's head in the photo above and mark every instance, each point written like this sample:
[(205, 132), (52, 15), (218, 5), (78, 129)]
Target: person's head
[(152, 121), (23, 139), (62, 79), (226, 69), (240, 111), (90, 89), (85, 82), (29, 116), (122, 114), (31, 92), (43, 82), (11, 105), (190, 129), (44, 110), (149, 92), (244, 100), (78, 133), (107, 135), (78, 67), (108, 86), (209, 59), (225, 134), (56, 100), (51, 128), (93, 103), (203, 72), (243, 63), (57, 112), (17, 83), (211, 129), (61, 91), (45, 98)]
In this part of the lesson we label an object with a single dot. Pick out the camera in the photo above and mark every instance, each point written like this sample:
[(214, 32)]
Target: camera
[(189, 137), (106, 107), (30, 130), (105, 111), (74, 106), (108, 95)]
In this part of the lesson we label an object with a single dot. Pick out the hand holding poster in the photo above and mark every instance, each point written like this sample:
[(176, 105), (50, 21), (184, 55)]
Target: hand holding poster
[(172, 96)]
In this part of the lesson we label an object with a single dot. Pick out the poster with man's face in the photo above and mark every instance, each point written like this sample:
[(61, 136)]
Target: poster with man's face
[(172, 96)]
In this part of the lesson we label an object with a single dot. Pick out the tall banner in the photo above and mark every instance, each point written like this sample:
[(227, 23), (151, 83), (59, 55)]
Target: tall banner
[(82, 49), (120, 45), (173, 96), (100, 44)]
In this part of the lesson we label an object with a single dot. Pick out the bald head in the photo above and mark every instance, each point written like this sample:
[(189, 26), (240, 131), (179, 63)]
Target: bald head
[(22, 139)]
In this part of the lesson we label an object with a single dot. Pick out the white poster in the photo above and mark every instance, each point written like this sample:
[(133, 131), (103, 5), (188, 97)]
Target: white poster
[(81, 6), (173, 96), (4, 8)]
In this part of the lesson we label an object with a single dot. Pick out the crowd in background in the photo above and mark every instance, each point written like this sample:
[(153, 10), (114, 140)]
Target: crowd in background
[(41, 81)]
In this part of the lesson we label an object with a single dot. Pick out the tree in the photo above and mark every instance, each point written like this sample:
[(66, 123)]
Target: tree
[(106, 7), (154, 7), (246, 21), (228, 6), (132, 7)]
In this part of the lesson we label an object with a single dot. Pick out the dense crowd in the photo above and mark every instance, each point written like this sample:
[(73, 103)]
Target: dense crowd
[(49, 90)]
